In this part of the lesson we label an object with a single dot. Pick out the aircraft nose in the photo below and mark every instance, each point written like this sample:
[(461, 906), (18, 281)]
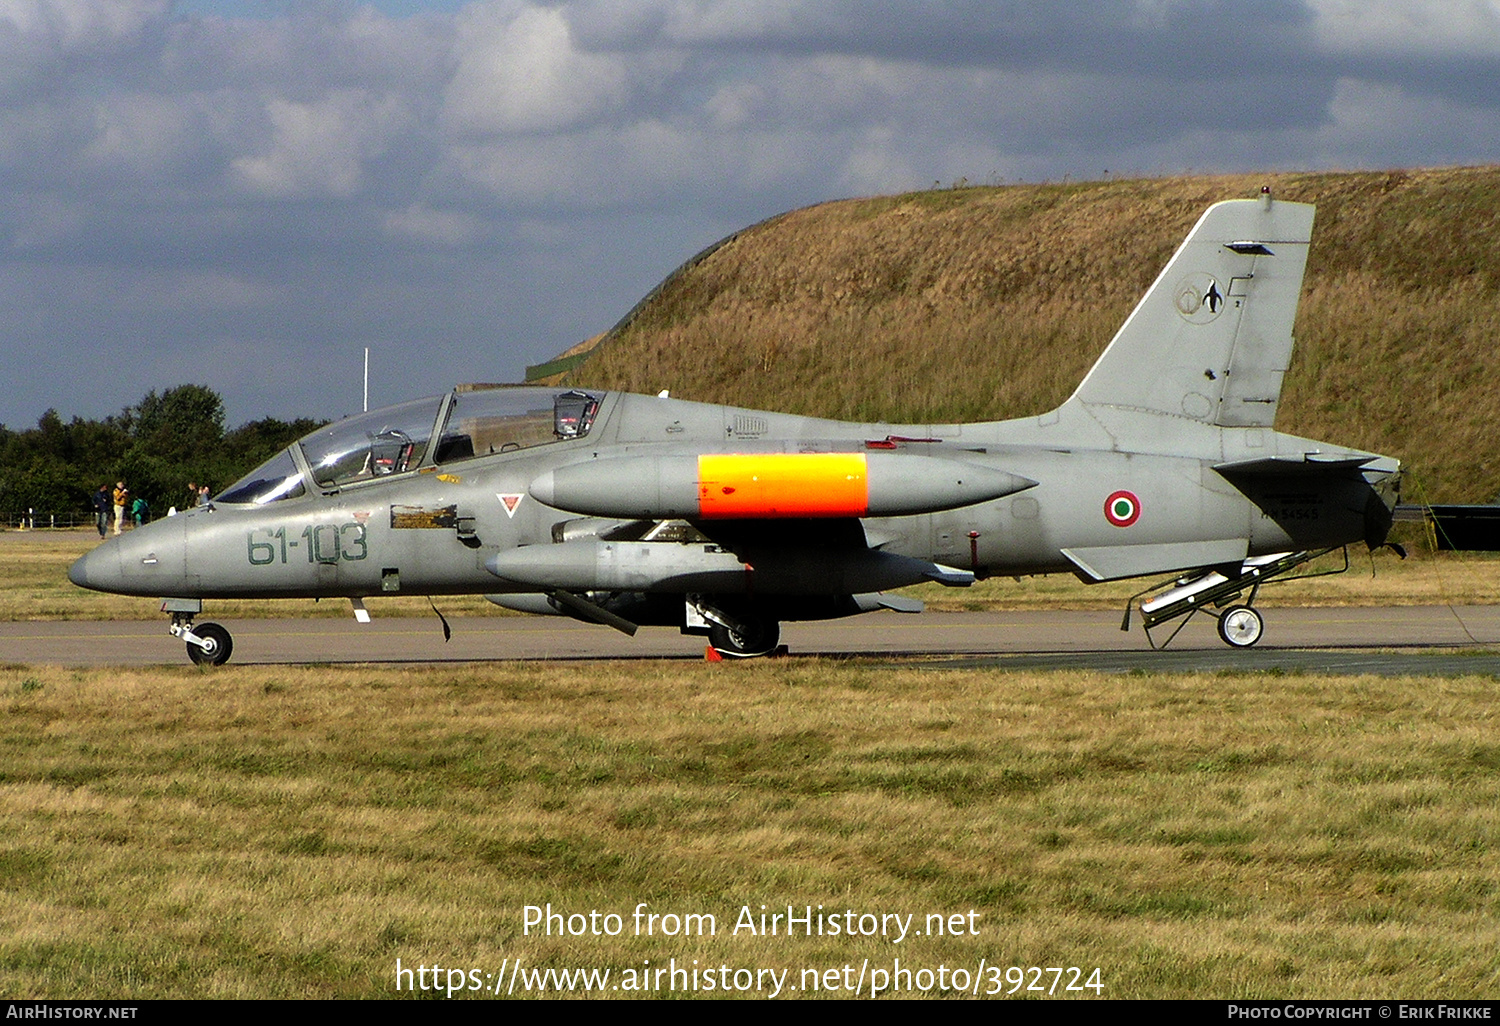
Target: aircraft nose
[(99, 569), (146, 561)]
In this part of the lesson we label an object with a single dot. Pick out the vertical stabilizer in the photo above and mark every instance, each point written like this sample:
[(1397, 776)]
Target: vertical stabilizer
[(1212, 338)]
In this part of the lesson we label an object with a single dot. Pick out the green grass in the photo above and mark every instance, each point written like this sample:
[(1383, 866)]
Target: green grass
[(292, 832)]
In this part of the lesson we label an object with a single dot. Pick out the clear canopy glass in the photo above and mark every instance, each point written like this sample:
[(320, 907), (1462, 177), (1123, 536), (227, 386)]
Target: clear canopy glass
[(370, 445), (486, 421), (277, 478)]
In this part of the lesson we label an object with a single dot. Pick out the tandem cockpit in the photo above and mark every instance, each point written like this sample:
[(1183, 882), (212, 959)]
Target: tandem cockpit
[(467, 423)]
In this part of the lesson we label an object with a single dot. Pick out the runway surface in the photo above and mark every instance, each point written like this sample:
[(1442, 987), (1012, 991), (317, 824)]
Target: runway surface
[(1404, 640)]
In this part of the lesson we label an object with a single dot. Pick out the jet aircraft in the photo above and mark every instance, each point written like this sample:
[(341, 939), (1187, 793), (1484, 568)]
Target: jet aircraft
[(631, 510)]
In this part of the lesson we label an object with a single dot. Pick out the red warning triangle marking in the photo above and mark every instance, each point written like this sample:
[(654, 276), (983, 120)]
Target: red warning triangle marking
[(510, 502)]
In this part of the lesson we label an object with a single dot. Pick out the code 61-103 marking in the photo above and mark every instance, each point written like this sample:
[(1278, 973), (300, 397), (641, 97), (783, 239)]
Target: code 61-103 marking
[(323, 543)]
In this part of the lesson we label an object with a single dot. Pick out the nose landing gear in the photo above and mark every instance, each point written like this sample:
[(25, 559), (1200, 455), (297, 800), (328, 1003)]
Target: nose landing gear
[(208, 644)]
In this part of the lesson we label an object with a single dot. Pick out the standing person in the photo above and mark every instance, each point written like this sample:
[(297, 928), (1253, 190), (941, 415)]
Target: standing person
[(101, 509), (122, 499), (192, 495), (140, 511), (203, 495)]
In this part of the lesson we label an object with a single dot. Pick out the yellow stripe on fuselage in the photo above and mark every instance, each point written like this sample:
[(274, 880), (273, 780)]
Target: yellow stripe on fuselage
[(813, 484)]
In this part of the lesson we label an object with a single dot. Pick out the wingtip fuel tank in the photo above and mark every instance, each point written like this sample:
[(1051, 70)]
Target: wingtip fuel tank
[(736, 486)]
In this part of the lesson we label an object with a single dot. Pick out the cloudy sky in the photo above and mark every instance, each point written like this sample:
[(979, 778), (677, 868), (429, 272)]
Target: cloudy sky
[(245, 193)]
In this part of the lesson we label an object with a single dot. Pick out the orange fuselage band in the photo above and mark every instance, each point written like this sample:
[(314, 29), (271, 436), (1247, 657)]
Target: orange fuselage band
[(814, 484)]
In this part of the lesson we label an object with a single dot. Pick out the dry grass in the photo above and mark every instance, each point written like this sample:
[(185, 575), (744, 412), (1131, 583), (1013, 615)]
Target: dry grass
[(975, 304), (286, 832)]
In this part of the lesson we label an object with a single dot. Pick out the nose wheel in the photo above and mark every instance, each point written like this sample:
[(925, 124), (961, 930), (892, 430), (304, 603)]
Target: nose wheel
[(1241, 626), (208, 644)]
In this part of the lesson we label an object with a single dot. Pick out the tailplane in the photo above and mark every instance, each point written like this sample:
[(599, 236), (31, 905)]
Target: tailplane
[(1212, 338)]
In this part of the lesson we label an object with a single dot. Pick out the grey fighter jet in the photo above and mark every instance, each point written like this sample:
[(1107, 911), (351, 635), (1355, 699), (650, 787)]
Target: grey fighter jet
[(631, 510)]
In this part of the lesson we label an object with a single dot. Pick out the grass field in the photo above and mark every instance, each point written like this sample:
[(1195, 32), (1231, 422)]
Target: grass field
[(34, 585), (292, 832)]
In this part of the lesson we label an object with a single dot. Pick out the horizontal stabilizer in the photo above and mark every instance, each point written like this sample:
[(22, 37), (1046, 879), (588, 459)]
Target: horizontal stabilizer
[(1289, 466), (1113, 562)]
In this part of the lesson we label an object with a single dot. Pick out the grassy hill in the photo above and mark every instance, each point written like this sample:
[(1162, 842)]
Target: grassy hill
[(987, 303)]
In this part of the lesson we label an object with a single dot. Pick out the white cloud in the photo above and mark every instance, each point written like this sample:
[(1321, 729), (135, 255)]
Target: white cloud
[(76, 24), (318, 149), (1408, 27), (420, 223), (1373, 124), (518, 71), (702, 21), (39, 37), (140, 133)]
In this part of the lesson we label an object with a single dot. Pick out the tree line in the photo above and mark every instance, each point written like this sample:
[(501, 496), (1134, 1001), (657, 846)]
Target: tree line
[(156, 447)]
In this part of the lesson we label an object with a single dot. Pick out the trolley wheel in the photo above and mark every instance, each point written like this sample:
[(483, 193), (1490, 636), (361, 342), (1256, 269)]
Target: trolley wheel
[(216, 648), (1240, 626)]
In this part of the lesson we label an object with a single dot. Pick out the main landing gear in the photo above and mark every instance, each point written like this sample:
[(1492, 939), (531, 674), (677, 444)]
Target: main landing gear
[(740, 633), (208, 644), (1216, 592), (746, 639)]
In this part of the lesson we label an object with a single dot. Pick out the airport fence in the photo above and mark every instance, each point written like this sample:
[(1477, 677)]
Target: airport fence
[(42, 520)]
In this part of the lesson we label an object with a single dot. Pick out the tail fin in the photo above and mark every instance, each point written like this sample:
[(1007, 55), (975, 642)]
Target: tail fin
[(1213, 336)]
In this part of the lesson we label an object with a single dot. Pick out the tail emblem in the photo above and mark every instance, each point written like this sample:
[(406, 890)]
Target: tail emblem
[(1198, 298)]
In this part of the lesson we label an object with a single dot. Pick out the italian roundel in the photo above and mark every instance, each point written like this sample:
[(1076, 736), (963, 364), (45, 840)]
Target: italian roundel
[(1122, 509)]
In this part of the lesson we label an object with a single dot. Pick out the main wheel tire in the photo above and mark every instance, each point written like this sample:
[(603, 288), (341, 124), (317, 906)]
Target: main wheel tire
[(215, 651), (1241, 626), (755, 638)]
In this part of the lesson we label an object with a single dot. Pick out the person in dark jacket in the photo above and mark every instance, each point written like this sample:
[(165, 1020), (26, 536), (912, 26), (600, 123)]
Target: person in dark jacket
[(101, 509)]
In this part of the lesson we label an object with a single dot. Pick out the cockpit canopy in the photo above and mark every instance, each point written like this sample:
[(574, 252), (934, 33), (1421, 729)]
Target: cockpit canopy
[(468, 423)]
